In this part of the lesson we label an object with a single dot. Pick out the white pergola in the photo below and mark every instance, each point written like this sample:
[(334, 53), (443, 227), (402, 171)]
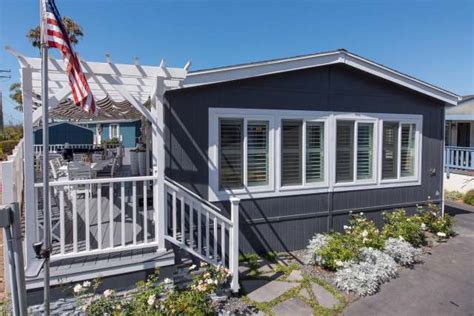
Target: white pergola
[(120, 83)]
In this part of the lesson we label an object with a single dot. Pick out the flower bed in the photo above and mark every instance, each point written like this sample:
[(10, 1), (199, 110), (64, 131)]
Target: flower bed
[(363, 257), (152, 297)]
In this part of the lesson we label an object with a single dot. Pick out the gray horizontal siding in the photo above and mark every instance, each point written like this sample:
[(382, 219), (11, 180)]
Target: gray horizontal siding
[(285, 223)]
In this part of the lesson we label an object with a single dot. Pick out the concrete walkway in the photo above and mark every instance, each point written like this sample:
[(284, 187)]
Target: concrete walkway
[(442, 285)]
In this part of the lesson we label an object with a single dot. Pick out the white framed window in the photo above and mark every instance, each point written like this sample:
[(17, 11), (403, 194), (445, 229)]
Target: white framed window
[(302, 143), (256, 153), (114, 131), (355, 151), (400, 143)]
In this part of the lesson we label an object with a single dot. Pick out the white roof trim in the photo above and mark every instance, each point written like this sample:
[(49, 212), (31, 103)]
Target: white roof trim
[(225, 74)]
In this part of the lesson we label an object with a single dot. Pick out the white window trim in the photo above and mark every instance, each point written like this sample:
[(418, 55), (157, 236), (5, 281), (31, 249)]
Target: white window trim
[(110, 130), (275, 117)]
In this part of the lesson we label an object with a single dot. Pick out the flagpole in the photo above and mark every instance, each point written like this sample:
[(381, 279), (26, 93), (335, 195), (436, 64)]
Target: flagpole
[(46, 209)]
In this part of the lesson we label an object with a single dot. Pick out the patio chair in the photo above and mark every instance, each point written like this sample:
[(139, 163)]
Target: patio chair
[(80, 171), (78, 157), (54, 165)]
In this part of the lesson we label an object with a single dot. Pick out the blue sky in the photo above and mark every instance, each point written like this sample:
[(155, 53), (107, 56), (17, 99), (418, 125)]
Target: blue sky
[(430, 40)]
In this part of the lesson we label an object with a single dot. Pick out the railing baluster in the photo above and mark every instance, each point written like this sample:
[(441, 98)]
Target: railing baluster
[(173, 210), (199, 210), (74, 218), (223, 243), (61, 220), (191, 224), (134, 220), (122, 212), (215, 240), (145, 213), (183, 232), (208, 244), (99, 216), (87, 219), (111, 215)]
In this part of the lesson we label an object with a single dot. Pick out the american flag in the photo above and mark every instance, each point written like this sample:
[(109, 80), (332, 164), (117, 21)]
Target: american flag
[(55, 35)]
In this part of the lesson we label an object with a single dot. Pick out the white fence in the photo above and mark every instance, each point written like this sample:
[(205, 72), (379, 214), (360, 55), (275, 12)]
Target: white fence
[(12, 176), (58, 147), (460, 158), (198, 227)]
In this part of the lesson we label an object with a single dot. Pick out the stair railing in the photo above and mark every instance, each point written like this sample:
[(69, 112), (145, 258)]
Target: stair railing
[(198, 227)]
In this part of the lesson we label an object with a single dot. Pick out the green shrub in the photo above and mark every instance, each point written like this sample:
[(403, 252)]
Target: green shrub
[(7, 146), (187, 303), (469, 197), (364, 232), (398, 224), (339, 249), (453, 195), (435, 222)]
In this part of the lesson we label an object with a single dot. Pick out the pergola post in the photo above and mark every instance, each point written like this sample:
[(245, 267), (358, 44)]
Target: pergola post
[(29, 172), (158, 160)]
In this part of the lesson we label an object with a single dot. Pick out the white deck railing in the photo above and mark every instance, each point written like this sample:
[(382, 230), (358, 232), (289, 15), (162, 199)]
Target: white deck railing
[(12, 176), (97, 216), (58, 147), (460, 158), (199, 227)]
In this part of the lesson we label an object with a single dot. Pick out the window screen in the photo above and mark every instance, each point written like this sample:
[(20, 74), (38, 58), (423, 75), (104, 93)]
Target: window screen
[(345, 151), (365, 153), (407, 154), (314, 151), (390, 150), (291, 156), (257, 153), (231, 153)]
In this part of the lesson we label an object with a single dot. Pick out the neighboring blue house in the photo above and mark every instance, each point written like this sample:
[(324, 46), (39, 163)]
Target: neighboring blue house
[(65, 132), (128, 131)]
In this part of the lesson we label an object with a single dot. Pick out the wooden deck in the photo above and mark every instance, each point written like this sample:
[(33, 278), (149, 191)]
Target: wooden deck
[(122, 229)]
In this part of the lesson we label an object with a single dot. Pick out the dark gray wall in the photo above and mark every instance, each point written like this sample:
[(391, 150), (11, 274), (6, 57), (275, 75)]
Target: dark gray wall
[(286, 223)]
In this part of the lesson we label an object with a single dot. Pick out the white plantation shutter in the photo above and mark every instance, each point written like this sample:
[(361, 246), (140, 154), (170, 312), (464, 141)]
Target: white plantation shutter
[(407, 154), (314, 151), (390, 150), (291, 148), (257, 153), (231, 153), (365, 135), (345, 151)]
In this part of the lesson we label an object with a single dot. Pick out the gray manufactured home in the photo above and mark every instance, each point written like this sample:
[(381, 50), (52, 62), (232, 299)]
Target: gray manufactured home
[(304, 141)]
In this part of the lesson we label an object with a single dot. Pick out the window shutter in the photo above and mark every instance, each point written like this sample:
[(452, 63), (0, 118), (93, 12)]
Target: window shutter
[(365, 132), (291, 158), (231, 153), (314, 151), (257, 153), (345, 151), (390, 150), (407, 154)]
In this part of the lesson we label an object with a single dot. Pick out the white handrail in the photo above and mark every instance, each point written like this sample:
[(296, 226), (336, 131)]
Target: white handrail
[(97, 181)]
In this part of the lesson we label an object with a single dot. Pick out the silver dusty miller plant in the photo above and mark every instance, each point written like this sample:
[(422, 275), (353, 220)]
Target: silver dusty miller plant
[(401, 251), (365, 277), (316, 243)]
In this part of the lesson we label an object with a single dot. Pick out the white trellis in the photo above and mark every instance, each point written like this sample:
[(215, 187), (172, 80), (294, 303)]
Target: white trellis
[(134, 83)]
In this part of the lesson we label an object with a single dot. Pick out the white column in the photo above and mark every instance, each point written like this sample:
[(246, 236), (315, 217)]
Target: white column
[(29, 175), (234, 244), (158, 160)]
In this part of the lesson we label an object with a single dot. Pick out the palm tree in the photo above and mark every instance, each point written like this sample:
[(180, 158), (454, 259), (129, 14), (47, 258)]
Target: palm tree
[(74, 32), (16, 96)]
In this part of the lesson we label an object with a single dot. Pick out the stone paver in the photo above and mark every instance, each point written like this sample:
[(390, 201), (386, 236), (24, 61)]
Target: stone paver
[(305, 293), (261, 291), (292, 307), (295, 276), (442, 285), (323, 296)]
